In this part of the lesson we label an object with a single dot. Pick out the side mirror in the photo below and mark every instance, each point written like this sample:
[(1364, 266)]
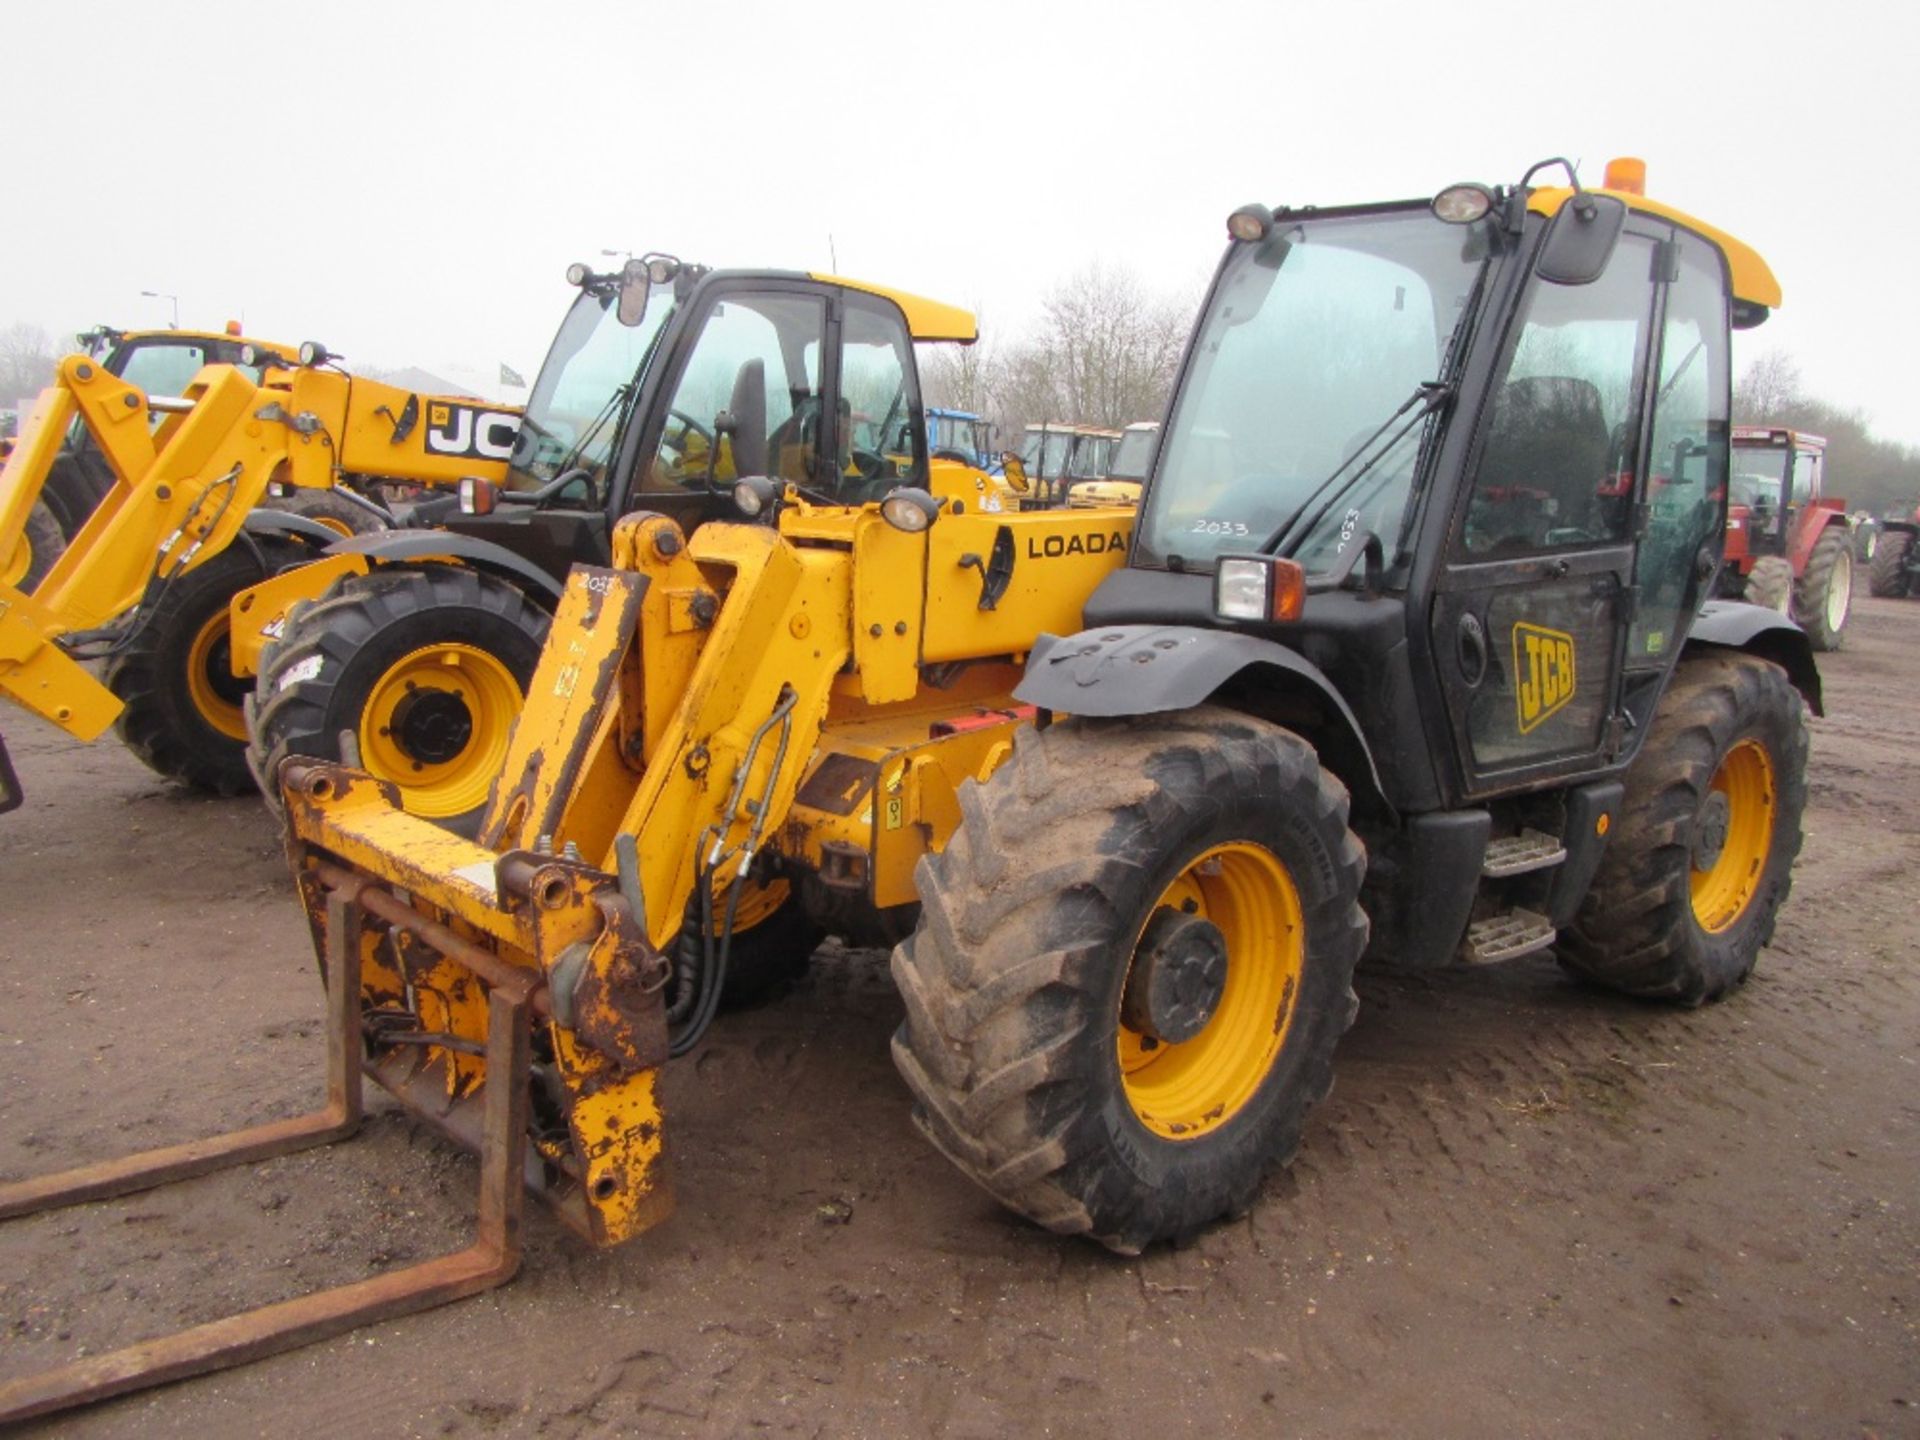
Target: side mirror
[(635, 289), (1582, 239)]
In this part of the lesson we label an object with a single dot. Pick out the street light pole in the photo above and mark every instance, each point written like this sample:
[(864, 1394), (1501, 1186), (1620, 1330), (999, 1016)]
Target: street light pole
[(162, 295)]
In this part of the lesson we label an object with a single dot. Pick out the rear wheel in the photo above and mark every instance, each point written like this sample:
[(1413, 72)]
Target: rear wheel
[(1701, 858), (40, 545), (1770, 584), (1133, 961), (331, 509), (1887, 576), (1823, 595), (76, 484), (183, 713), (427, 668)]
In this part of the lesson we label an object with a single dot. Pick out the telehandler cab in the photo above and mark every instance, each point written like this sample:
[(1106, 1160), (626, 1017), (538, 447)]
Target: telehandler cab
[(145, 582), (1132, 793)]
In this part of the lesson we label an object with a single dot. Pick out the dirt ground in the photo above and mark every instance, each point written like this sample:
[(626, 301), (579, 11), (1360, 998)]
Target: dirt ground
[(1528, 1208)]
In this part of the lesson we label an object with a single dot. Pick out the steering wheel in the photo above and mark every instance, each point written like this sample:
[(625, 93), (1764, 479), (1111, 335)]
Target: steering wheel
[(871, 464), (867, 486), (689, 423)]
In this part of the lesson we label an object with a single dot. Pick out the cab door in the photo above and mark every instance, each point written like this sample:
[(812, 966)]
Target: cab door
[(1532, 605)]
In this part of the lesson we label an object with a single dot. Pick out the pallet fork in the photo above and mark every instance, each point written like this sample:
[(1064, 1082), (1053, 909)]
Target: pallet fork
[(490, 1260)]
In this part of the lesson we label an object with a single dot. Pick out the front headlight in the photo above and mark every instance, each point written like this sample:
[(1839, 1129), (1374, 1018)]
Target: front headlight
[(1259, 588)]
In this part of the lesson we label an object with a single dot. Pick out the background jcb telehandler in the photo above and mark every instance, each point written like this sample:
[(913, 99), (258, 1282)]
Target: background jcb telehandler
[(160, 362), (145, 582), (665, 383), (1452, 689)]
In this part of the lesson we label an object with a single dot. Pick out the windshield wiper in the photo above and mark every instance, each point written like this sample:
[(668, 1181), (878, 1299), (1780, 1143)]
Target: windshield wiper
[(1427, 397), (614, 402)]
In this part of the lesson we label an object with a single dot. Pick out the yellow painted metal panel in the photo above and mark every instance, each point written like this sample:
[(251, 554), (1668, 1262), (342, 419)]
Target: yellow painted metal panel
[(1058, 558), (259, 613), (889, 593), (927, 320), (39, 675)]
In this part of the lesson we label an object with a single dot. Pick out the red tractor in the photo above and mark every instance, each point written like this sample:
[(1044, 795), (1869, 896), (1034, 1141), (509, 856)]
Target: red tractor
[(1789, 547)]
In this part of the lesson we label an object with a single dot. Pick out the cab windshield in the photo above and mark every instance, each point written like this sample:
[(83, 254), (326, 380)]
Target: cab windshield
[(1130, 461), (1312, 341), (1757, 477), (585, 387)]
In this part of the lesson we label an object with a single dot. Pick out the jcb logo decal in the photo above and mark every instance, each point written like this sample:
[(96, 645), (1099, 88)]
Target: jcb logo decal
[(470, 432), (1543, 668)]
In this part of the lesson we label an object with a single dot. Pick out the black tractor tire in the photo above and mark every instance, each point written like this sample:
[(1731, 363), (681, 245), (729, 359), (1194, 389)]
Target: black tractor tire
[(340, 654), (1030, 922), (45, 545), (75, 486), (184, 714), (331, 509), (1866, 539), (1639, 929), (1887, 577), (1770, 584), (1823, 595)]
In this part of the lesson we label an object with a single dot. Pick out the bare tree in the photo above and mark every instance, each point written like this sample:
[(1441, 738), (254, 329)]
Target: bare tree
[(1768, 388), (27, 355), (963, 377), (1113, 348)]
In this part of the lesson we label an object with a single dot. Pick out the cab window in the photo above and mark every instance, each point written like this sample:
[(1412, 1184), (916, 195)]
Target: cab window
[(1685, 507), (164, 369), (1805, 466), (747, 400), (877, 385), (1556, 466)]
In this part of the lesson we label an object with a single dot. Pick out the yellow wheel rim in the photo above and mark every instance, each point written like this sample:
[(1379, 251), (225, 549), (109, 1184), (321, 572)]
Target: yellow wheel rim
[(1736, 825), (215, 690), (757, 903), (1183, 1091), (436, 725), (333, 523)]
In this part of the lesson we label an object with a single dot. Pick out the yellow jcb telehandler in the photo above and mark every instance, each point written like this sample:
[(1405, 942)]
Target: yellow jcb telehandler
[(419, 646), (145, 581), (1132, 793)]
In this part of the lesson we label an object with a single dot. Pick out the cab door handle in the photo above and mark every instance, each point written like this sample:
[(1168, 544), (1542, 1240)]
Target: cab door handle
[(1472, 639)]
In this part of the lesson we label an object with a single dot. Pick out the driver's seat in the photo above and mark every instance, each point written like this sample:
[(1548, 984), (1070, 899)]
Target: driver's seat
[(748, 407)]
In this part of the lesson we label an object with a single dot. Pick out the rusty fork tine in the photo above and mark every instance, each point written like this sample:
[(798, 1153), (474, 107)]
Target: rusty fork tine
[(150, 1168), (491, 1259)]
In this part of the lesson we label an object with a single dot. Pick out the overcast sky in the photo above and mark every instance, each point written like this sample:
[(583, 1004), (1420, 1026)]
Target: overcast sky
[(408, 182)]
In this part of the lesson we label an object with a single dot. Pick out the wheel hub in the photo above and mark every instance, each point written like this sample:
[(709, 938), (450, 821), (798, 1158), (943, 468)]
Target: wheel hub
[(431, 725), (228, 686), (1710, 830), (1179, 974)]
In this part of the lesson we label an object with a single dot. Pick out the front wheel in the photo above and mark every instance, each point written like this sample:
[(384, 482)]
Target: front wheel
[(1133, 961), (1701, 858), (1770, 584), (427, 668)]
